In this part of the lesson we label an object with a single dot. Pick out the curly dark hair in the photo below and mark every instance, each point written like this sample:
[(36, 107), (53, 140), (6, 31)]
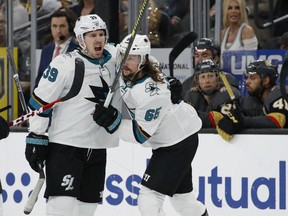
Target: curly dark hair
[(152, 70)]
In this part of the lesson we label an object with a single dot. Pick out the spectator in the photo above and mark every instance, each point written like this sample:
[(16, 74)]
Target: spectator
[(209, 96), (177, 10), (99, 7), (2, 30), (47, 6), (170, 129), (281, 9), (20, 14), (85, 7), (205, 48), (62, 25), (20, 17), (261, 84), (123, 19), (4, 132), (284, 41), (75, 152), (264, 35), (237, 34)]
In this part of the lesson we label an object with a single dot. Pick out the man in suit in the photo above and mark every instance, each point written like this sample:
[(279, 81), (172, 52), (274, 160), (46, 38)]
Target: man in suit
[(62, 24)]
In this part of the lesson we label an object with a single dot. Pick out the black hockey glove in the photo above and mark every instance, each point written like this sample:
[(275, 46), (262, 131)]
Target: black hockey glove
[(231, 122), (109, 118), (4, 128), (176, 90), (36, 150), (100, 93)]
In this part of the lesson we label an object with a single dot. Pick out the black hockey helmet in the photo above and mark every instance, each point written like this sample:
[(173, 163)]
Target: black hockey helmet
[(206, 66), (208, 43), (263, 68)]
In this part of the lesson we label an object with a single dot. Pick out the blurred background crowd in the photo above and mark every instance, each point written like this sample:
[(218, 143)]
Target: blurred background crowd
[(30, 27)]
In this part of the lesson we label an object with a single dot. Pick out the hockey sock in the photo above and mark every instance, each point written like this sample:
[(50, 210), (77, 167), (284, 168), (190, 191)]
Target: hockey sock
[(187, 205), (60, 206), (150, 202)]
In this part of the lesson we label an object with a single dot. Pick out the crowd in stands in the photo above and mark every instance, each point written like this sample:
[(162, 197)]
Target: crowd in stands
[(166, 21)]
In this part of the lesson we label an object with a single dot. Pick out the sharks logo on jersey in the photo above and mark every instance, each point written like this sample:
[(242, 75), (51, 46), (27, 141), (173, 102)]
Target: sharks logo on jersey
[(152, 88)]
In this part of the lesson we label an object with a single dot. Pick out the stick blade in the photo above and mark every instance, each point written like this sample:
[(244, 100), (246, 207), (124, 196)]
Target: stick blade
[(180, 46)]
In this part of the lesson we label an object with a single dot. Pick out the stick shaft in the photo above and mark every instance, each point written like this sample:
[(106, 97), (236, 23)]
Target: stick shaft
[(17, 81), (178, 49), (227, 85), (33, 113), (5, 108), (118, 73), (35, 193)]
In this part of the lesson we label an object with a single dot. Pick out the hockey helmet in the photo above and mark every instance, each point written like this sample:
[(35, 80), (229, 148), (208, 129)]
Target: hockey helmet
[(208, 43), (206, 66), (141, 46), (86, 24), (263, 68)]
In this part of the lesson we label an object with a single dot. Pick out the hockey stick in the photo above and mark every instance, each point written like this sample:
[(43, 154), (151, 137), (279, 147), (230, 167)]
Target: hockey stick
[(29, 205), (178, 49), (5, 108), (17, 81), (25, 110), (74, 90), (118, 73), (227, 85), (283, 76)]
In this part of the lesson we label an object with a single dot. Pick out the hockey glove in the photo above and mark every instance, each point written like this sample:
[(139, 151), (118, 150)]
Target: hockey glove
[(36, 150), (109, 118), (230, 124), (176, 90), (4, 128), (100, 93)]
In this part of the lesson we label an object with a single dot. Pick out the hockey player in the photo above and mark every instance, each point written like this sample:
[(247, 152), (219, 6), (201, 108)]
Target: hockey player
[(212, 101), (205, 48), (4, 132), (170, 129), (261, 84), (75, 153)]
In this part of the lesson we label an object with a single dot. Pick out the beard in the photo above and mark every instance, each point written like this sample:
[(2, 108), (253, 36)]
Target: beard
[(257, 92)]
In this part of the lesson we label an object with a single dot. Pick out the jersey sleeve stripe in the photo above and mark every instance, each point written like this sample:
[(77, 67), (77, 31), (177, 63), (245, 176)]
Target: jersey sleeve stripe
[(140, 135), (35, 103)]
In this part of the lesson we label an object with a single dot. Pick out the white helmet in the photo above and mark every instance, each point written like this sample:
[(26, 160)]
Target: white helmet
[(141, 46), (86, 24)]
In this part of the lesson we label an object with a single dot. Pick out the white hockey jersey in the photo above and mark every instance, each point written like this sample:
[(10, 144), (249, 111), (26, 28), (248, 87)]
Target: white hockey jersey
[(154, 116), (72, 122)]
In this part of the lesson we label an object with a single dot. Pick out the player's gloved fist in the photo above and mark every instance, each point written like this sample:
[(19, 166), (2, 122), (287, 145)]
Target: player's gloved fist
[(109, 118), (36, 150), (230, 124), (176, 90), (4, 128), (100, 93)]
